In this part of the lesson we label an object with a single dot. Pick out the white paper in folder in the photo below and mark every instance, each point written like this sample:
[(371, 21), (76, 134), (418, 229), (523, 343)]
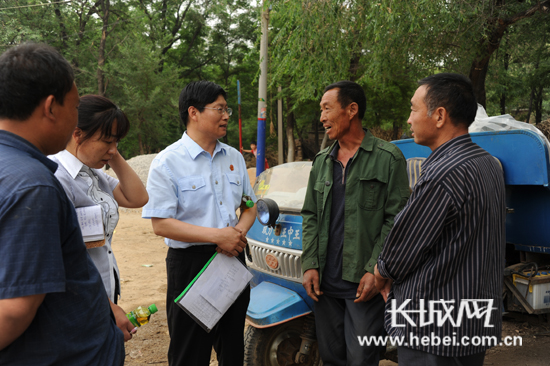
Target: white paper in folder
[(214, 290), (90, 220)]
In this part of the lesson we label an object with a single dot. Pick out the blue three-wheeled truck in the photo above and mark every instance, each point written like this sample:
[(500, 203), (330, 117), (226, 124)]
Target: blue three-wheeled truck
[(281, 327)]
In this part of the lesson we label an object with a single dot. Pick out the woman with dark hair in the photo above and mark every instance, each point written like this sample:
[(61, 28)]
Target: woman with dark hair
[(93, 144)]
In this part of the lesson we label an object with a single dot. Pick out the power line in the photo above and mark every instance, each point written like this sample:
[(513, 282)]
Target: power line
[(41, 4)]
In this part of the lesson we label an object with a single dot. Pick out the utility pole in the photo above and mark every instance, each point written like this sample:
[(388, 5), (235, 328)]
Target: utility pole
[(280, 127), (262, 95), (240, 121)]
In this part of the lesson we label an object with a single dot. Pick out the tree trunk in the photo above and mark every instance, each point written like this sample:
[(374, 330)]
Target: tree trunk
[(538, 104), (478, 73), (325, 140), (503, 95), (395, 135), (316, 131), (83, 18), (533, 98), (354, 66), (105, 4), (141, 147), (290, 138), (62, 28), (355, 60), (290, 132), (530, 104)]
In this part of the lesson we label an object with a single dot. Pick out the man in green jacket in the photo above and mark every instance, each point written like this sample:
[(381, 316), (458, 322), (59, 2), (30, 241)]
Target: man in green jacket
[(355, 189)]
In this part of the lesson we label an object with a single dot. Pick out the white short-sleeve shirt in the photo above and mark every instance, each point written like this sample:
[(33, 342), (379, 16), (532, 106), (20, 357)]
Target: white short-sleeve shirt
[(187, 184)]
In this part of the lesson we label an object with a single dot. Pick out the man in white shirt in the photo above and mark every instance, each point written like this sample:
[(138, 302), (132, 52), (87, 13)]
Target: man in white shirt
[(195, 186)]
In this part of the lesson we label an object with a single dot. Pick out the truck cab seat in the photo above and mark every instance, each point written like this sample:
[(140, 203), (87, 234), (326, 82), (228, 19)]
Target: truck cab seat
[(414, 168)]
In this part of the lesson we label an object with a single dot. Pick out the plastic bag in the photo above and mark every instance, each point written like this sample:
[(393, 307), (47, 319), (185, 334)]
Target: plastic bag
[(504, 122)]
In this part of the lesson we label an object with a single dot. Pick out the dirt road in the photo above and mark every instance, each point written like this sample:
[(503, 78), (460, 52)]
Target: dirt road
[(140, 255)]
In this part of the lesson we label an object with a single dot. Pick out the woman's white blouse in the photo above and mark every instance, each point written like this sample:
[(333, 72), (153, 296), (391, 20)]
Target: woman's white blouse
[(82, 192)]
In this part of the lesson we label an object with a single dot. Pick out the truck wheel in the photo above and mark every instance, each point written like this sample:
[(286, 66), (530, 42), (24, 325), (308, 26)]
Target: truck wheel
[(277, 346)]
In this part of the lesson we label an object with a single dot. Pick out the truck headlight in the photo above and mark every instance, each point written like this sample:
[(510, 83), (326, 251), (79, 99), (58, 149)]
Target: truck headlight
[(267, 212)]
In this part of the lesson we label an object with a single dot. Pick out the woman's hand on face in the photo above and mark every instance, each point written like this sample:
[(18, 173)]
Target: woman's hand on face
[(130, 192), (116, 160)]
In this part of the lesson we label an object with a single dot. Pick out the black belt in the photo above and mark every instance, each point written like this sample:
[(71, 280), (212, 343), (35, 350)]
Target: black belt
[(206, 248)]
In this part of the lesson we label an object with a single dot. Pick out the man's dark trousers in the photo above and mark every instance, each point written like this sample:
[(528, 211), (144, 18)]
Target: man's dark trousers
[(339, 323), (189, 343)]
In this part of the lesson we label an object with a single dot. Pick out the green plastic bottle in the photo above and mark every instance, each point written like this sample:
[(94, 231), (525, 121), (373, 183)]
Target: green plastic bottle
[(141, 315), (246, 203)]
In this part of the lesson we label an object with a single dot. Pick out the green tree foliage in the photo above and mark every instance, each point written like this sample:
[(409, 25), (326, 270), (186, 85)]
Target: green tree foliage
[(140, 53), (386, 45), (518, 80), (317, 43), (148, 95)]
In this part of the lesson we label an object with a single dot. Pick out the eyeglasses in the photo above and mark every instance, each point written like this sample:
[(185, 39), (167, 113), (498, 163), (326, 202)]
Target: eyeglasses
[(221, 111)]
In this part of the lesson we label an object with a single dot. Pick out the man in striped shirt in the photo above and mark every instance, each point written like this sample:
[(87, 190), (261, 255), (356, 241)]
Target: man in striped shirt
[(441, 266)]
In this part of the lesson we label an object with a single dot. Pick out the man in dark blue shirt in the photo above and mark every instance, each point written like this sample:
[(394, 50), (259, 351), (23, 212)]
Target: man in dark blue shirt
[(53, 307)]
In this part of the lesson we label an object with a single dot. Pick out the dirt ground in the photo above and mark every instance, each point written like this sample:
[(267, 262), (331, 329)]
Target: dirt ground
[(140, 255)]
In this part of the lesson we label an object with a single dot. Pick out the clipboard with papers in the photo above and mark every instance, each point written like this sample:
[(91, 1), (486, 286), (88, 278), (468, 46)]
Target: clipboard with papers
[(214, 290)]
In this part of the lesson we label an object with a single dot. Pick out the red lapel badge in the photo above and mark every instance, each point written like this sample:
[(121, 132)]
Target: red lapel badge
[(231, 167)]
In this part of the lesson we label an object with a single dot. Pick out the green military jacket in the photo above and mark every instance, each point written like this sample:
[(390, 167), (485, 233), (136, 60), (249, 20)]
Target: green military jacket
[(376, 190)]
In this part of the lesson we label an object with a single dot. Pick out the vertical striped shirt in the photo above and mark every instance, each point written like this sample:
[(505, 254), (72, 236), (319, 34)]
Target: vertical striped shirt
[(447, 249)]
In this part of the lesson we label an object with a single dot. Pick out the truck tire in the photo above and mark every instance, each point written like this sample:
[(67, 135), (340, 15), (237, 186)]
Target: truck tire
[(277, 346)]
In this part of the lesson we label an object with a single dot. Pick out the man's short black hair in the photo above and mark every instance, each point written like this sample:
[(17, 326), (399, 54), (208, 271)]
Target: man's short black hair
[(455, 93), (29, 73), (198, 94), (348, 93)]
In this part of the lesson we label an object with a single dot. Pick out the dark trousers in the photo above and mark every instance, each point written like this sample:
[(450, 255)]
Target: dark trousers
[(413, 357), (189, 343), (340, 321)]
